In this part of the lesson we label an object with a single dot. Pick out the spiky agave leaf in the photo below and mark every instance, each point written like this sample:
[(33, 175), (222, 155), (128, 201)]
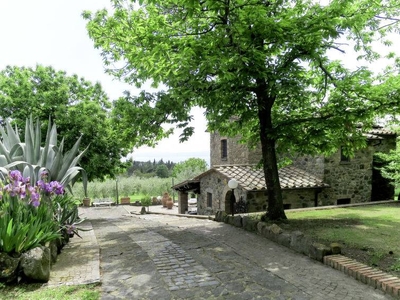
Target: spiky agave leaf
[(31, 159)]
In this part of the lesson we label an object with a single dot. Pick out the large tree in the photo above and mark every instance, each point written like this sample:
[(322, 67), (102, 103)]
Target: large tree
[(78, 107), (261, 68)]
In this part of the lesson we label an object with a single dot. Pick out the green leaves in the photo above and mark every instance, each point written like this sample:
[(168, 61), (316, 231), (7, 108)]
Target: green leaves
[(267, 64), (31, 158), (79, 107), (23, 227), (189, 168)]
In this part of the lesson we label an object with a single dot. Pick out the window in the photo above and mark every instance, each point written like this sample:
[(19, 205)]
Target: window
[(224, 149), (209, 200), (343, 201), (343, 157), (287, 206)]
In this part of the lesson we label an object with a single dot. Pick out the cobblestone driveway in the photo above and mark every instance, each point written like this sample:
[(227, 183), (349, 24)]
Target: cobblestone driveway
[(169, 257)]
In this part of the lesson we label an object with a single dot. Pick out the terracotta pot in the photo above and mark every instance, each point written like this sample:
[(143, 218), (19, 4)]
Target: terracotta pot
[(170, 203), (86, 202), (125, 200), (165, 199)]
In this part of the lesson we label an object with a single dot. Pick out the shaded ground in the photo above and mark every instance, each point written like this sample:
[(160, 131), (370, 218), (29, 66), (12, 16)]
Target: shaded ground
[(369, 235)]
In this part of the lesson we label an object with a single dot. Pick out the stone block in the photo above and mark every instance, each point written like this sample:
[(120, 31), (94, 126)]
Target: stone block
[(237, 221), (218, 216), (35, 264), (270, 233), (249, 223), (275, 229), (261, 226), (318, 251), (336, 248), (8, 267), (223, 215), (230, 219), (300, 243), (226, 219), (284, 239), (53, 251)]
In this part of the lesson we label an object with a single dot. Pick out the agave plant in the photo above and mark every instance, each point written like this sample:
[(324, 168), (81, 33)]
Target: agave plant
[(32, 159)]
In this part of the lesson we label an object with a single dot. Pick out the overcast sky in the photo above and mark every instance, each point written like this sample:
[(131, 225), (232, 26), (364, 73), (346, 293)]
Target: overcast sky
[(53, 33)]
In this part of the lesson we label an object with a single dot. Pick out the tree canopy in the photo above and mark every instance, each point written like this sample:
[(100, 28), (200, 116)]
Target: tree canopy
[(79, 108), (261, 69), (188, 169), (162, 171)]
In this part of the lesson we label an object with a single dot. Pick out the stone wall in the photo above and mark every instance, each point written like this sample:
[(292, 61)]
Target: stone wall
[(296, 198), (238, 153), (256, 201), (349, 180), (217, 185), (311, 164)]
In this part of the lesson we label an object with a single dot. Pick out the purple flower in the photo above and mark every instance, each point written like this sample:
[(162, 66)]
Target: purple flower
[(57, 188), (35, 198), (70, 228), (35, 203), (44, 174), (15, 175)]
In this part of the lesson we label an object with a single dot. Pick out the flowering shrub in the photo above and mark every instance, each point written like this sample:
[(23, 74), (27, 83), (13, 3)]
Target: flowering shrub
[(33, 215)]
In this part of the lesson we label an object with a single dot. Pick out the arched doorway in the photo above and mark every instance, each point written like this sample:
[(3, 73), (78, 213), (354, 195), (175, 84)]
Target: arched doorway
[(227, 202)]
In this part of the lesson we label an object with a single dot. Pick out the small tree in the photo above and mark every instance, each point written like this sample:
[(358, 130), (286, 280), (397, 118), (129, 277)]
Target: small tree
[(162, 171)]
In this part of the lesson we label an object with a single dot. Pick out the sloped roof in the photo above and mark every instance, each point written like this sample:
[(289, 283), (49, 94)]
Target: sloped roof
[(378, 130), (251, 178), (371, 136)]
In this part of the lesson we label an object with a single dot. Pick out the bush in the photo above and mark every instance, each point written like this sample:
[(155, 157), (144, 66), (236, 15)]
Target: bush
[(146, 200), (34, 215)]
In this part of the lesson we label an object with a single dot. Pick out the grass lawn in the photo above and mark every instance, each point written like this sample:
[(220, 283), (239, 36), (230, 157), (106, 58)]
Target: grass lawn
[(370, 234), (36, 291)]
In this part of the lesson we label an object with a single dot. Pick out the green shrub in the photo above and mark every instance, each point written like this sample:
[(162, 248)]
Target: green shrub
[(146, 200), (23, 228), (34, 215)]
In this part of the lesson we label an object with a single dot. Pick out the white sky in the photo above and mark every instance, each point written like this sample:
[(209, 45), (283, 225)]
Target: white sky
[(53, 33)]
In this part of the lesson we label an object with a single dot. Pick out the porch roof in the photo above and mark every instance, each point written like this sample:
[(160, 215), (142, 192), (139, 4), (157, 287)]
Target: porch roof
[(251, 178), (188, 185)]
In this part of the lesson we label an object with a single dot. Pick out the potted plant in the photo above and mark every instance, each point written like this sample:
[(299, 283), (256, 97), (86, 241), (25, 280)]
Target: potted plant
[(86, 202), (146, 201)]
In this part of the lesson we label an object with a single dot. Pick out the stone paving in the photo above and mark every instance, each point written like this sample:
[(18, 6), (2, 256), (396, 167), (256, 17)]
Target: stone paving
[(79, 261), (156, 256)]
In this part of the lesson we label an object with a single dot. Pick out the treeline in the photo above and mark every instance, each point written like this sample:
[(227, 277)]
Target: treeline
[(150, 168)]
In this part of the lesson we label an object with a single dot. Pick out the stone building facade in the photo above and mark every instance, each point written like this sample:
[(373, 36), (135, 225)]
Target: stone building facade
[(309, 181)]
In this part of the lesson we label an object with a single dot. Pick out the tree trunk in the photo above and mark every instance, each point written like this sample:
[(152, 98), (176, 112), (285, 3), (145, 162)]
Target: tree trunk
[(275, 203)]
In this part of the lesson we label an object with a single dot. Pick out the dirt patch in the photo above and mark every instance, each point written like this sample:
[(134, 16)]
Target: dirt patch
[(382, 261)]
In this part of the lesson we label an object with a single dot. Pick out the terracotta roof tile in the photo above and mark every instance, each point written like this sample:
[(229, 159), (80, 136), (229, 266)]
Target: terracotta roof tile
[(250, 178), (381, 131)]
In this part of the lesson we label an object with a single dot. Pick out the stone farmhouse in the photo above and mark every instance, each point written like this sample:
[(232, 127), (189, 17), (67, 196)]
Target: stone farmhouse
[(308, 182)]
